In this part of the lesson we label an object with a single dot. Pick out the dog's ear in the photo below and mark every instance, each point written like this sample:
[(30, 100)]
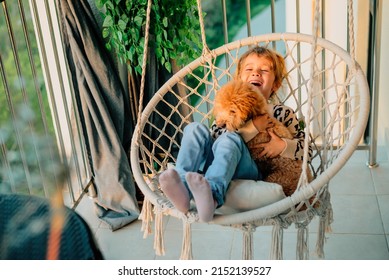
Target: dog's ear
[(233, 109)]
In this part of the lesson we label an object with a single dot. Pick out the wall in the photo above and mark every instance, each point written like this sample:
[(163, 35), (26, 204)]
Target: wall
[(383, 98)]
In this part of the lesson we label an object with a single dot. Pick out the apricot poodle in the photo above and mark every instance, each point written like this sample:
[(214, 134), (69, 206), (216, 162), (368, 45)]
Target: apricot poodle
[(236, 103)]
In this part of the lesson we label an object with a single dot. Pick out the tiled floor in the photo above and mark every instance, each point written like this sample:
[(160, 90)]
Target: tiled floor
[(360, 198)]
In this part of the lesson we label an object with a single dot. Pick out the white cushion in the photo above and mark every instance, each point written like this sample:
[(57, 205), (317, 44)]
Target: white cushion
[(244, 195)]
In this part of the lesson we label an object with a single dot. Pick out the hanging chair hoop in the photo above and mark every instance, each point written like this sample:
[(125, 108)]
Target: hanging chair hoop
[(303, 193)]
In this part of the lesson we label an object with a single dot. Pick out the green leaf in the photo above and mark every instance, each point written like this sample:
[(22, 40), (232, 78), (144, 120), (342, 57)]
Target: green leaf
[(165, 35), (122, 24), (105, 32), (99, 4), (138, 69), (158, 39), (158, 52), (173, 55), (108, 21), (169, 45), (138, 21), (109, 5), (165, 22), (130, 55), (168, 66), (140, 59)]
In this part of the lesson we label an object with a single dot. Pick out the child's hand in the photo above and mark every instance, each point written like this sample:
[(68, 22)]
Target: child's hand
[(263, 122), (274, 147)]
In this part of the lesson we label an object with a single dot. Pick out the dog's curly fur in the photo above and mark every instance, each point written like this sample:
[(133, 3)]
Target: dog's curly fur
[(236, 103)]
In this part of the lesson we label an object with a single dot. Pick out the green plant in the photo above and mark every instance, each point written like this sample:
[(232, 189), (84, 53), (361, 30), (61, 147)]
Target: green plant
[(174, 30)]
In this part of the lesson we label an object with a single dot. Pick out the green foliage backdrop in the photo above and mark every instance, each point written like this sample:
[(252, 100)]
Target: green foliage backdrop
[(174, 30)]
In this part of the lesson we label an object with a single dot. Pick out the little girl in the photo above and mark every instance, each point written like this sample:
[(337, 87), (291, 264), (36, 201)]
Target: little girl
[(221, 155)]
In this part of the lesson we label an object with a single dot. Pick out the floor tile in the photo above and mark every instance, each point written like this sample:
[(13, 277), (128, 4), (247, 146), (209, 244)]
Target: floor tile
[(86, 211), (212, 245), (383, 201), (353, 178), (359, 156), (356, 214), (125, 244), (380, 176), (387, 239), (356, 247)]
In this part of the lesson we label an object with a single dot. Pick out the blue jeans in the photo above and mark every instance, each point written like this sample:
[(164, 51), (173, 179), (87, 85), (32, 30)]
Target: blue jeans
[(221, 160)]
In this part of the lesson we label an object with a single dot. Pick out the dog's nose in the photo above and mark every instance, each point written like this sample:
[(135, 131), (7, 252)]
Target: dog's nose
[(220, 123)]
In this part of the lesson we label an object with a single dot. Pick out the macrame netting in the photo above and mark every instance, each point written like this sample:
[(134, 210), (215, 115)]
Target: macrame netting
[(333, 102)]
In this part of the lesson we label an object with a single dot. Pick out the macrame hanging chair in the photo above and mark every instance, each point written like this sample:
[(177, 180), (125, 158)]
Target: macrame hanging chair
[(328, 91)]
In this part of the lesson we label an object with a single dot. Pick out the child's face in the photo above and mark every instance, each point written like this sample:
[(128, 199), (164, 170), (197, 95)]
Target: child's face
[(258, 71)]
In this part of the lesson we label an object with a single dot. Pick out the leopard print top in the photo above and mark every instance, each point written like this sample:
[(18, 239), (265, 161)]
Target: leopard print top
[(287, 116)]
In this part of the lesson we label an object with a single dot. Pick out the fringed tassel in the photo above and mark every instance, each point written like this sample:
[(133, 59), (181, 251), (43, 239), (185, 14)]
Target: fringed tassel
[(247, 250), (324, 226), (319, 251), (146, 216), (276, 251), (302, 250), (329, 219), (186, 250), (159, 246)]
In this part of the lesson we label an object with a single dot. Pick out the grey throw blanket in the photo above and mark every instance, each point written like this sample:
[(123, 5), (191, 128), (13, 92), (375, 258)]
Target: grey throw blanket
[(104, 112)]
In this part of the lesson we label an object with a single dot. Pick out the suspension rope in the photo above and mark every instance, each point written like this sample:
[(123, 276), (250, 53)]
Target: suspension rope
[(144, 63), (202, 28), (351, 30), (315, 30)]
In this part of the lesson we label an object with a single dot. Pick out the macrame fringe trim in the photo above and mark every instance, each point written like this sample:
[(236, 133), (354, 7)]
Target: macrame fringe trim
[(146, 216), (329, 219), (247, 250), (324, 227), (159, 245), (276, 251), (186, 250), (302, 249)]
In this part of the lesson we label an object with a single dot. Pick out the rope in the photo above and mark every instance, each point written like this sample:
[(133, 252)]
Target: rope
[(186, 250), (247, 250), (146, 215), (276, 248), (202, 28), (302, 248), (351, 28), (304, 178), (206, 49), (144, 63), (159, 245)]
